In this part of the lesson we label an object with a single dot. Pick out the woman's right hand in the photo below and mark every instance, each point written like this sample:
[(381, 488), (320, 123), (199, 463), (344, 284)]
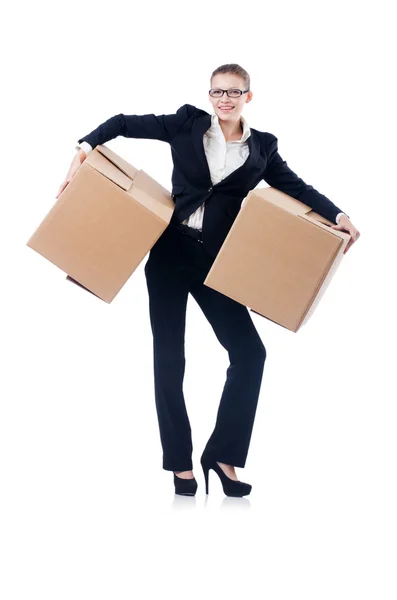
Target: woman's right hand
[(76, 162)]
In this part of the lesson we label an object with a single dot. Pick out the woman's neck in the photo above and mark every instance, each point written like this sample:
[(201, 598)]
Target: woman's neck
[(231, 130)]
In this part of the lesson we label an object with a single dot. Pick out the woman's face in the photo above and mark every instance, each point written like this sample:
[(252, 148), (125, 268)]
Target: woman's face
[(227, 81)]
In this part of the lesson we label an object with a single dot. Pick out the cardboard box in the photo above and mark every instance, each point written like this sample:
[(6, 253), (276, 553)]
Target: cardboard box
[(278, 258), (104, 223)]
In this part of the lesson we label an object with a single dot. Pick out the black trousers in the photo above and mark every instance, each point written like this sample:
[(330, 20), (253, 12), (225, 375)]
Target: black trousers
[(177, 265)]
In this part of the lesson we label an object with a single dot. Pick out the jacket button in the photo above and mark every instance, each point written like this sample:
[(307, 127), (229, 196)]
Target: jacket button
[(209, 189)]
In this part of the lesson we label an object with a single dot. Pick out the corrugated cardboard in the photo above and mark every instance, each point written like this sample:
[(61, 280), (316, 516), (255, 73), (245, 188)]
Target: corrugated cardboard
[(104, 223), (278, 258)]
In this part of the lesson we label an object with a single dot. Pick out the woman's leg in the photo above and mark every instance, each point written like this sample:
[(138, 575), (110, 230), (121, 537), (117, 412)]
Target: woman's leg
[(236, 332), (168, 292)]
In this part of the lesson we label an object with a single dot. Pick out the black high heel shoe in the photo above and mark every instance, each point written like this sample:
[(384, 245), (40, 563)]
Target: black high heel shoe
[(231, 487), (185, 487)]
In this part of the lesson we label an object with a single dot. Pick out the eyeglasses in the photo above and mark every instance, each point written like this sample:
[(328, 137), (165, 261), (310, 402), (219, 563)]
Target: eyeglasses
[(232, 93)]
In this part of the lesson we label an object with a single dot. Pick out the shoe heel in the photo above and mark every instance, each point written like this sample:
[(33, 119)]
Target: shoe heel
[(206, 477)]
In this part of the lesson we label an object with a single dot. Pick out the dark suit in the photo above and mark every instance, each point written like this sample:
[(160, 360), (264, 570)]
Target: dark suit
[(178, 264), (191, 180)]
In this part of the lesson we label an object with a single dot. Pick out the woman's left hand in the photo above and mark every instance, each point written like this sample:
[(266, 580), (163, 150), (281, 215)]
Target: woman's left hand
[(346, 225)]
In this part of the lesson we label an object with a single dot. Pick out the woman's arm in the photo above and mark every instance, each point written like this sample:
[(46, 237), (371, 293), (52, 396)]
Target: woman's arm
[(149, 126), (278, 175)]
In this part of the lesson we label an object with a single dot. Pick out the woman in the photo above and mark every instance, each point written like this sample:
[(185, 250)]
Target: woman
[(236, 158)]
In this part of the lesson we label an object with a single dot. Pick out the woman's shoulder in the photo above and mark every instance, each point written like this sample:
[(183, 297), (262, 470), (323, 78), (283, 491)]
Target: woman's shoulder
[(266, 136), (191, 110)]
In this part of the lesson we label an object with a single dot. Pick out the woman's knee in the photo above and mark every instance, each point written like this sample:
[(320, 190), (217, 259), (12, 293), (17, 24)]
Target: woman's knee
[(259, 352), (253, 352)]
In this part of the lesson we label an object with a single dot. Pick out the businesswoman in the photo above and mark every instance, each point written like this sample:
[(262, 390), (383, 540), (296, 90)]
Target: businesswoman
[(217, 159)]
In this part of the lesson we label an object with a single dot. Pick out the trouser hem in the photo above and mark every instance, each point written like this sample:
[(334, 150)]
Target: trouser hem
[(177, 467)]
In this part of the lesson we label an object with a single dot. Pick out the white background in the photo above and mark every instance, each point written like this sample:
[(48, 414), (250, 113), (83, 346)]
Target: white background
[(87, 512)]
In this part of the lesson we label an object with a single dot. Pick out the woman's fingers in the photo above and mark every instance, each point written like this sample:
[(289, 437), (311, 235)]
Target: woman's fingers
[(72, 170)]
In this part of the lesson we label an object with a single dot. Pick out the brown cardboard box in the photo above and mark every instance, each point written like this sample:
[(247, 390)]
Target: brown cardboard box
[(278, 257), (104, 223)]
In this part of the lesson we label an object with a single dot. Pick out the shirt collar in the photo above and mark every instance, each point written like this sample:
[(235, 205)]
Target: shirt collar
[(216, 128)]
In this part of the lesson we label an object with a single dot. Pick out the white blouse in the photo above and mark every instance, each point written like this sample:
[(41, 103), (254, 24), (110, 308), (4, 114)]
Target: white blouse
[(223, 157)]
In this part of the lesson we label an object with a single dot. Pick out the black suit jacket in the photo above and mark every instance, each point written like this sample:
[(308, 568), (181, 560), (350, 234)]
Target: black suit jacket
[(191, 180)]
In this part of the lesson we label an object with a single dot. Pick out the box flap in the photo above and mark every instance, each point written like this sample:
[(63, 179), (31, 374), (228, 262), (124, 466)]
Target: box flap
[(100, 163), (119, 162), (282, 200), (325, 224)]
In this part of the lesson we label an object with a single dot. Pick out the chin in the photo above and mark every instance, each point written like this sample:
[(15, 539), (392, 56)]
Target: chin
[(223, 115)]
